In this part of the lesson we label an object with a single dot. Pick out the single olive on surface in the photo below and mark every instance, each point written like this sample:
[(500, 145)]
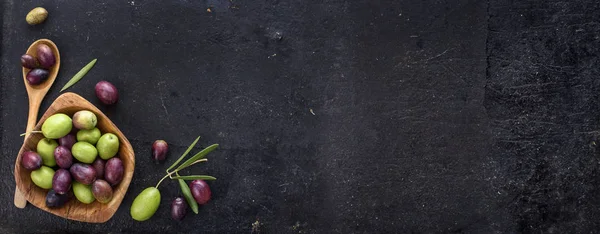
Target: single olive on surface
[(160, 148), (102, 191), (63, 157), (145, 204), (61, 182), (107, 92), (37, 76), (113, 171), (29, 61), (98, 165), (178, 208), (68, 141), (45, 56), (36, 16), (56, 200), (200, 191), (83, 173), (31, 160)]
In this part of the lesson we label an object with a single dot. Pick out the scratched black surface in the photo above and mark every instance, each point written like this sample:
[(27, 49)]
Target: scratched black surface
[(429, 116)]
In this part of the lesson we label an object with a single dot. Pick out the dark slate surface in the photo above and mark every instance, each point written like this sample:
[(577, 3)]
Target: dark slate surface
[(429, 116)]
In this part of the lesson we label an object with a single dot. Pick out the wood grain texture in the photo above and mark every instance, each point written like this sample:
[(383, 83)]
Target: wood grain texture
[(36, 94), (96, 212)]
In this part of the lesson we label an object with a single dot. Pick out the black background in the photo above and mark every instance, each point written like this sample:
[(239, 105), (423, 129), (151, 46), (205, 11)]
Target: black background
[(429, 116)]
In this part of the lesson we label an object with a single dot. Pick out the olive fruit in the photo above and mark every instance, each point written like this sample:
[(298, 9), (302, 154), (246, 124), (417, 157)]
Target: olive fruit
[(56, 200), (61, 182), (83, 192), (178, 208), (43, 177), (45, 148), (84, 152), (108, 146), (45, 56), (68, 141), (107, 92), (29, 61), (63, 157), (98, 165), (36, 16), (37, 76), (200, 191), (83, 173), (113, 171), (57, 126), (85, 119), (159, 150), (31, 160), (102, 191), (145, 204), (90, 136)]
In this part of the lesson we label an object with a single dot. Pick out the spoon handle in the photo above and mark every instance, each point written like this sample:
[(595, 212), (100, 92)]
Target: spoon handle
[(34, 108)]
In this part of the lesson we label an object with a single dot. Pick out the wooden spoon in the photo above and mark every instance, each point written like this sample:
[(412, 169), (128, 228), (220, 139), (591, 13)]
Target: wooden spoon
[(36, 94)]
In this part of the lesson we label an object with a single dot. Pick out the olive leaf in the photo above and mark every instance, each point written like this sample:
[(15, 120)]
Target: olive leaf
[(184, 154), (79, 75), (197, 157), (187, 193), (194, 177)]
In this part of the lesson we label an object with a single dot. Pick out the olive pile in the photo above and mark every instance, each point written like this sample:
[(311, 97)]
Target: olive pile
[(39, 66), (75, 156)]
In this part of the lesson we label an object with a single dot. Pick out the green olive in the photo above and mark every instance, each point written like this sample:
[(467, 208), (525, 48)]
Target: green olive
[(83, 192), (145, 204), (84, 152), (57, 126), (45, 148), (43, 177), (36, 16)]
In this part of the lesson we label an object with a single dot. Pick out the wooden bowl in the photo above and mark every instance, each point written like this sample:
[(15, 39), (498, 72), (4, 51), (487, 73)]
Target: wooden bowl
[(96, 212)]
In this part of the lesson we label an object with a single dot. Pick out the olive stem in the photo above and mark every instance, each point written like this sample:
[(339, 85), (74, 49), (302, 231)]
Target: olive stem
[(201, 160), (175, 171), (25, 133)]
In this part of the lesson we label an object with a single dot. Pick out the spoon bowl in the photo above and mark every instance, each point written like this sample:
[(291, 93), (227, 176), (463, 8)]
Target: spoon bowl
[(53, 71)]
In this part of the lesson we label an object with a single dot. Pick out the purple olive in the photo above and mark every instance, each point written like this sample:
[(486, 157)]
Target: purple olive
[(200, 191), (55, 200), (83, 173), (113, 171), (107, 92), (102, 191), (45, 56), (99, 164), (63, 157), (68, 141), (31, 160), (29, 61), (37, 76), (160, 149), (61, 182), (178, 209)]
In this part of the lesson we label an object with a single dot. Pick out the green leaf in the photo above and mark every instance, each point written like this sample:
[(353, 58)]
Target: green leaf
[(197, 157), (184, 154), (194, 177), (187, 193), (79, 75)]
